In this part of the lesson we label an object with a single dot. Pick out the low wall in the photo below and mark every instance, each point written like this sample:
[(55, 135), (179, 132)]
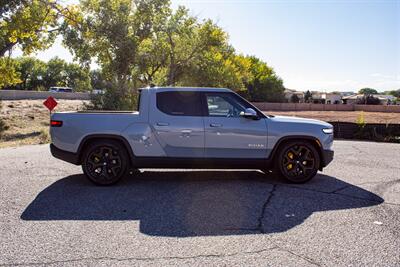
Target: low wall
[(325, 107), (372, 131), (20, 95)]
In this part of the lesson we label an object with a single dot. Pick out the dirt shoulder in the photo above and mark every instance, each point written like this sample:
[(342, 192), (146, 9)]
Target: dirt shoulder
[(28, 120)]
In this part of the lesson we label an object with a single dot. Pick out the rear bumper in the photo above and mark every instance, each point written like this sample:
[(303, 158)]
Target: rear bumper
[(64, 155), (327, 157)]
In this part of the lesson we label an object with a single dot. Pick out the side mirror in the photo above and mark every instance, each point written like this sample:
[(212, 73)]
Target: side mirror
[(249, 113)]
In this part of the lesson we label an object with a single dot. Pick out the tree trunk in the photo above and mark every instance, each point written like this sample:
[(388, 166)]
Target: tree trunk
[(171, 75)]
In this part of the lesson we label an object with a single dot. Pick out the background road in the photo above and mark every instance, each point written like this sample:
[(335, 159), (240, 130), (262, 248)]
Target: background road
[(348, 215)]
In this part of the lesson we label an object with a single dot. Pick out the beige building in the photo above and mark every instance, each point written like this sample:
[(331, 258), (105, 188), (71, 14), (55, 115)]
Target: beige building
[(383, 99)]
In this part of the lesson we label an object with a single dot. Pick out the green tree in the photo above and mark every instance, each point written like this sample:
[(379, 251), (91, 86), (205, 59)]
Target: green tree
[(31, 72), (31, 25), (395, 93), (307, 96), (294, 99), (56, 74), (77, 77), (110, 32), (97, 80), (262, 83), (368, 91), (189, 42), (368, 100), (3, 125), (8, 74)]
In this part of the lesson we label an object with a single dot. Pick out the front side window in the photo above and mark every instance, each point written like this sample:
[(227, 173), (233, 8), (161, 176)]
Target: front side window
[(179, 103), (224, 105)]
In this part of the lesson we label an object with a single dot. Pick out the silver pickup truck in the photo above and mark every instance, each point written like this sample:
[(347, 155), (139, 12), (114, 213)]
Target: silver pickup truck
[(190, 128)]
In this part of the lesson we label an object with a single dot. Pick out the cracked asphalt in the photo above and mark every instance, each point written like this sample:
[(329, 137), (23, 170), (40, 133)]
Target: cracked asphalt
[(348, 215)]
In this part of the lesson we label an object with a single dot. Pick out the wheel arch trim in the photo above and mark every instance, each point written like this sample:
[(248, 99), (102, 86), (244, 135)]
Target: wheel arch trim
[(313, 139), (92, 137)]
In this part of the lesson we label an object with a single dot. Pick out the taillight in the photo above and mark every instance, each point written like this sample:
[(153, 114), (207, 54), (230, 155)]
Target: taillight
[(56, 123)]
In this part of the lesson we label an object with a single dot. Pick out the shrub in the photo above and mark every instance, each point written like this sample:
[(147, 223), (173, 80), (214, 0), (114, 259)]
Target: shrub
[(361, 120), (368, 100), (3, 125), (112, 99), (44, 136)]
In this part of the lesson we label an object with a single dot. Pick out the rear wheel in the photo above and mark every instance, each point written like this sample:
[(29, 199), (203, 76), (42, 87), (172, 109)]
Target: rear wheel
[(105, 162), (297, 161)]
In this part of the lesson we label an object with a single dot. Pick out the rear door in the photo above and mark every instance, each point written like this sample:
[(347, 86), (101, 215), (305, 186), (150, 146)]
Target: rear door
[(178, 123), (229, 135)]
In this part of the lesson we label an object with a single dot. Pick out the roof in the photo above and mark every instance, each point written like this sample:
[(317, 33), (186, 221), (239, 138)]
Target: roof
[(202, 89), (380, 97)]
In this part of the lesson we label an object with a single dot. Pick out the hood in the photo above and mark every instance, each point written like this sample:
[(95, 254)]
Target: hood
[(291, 119)]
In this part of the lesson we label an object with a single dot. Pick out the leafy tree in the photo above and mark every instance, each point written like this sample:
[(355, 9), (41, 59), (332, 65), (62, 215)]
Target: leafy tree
[(31, 72), (184, 51), (77, 78), (27, 23), (35, 74), (31, 25), (97, 80), (307, 96), (3, 125), (368, 100), (188, 42), (395, 93), (263, 84), (294, 99), (110, 33), (8, 74), (367, 91), (139, 43), (55, 73)]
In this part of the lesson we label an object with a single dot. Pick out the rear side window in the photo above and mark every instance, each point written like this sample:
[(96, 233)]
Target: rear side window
[(179, 103)]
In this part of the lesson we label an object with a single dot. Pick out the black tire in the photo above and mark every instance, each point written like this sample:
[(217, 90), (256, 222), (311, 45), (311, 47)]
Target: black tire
[(105, 162), (297, 161)]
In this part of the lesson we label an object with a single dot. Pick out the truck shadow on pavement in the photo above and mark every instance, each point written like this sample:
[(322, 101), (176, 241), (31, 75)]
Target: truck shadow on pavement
[(198, 203)]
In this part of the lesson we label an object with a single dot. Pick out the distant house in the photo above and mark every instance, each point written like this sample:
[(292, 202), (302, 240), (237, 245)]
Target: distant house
[(347, 93), (326, 98), (332, 98), (383, 99)]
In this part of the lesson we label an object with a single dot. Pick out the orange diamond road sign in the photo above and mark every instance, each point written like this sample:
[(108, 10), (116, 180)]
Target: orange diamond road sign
[(50, 103)]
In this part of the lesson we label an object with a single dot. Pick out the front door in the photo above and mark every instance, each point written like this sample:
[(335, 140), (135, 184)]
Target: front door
[(178, 123), (227, 133)]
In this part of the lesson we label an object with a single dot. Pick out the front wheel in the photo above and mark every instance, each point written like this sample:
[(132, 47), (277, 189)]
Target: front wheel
[(105, 162), (298, 162)]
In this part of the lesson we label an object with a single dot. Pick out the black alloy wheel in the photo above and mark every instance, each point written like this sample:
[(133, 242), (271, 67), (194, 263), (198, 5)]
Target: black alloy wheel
[(298, 162), (105, 163)]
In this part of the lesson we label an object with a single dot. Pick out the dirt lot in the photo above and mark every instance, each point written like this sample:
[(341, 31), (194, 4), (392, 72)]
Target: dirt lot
[(28, 120)]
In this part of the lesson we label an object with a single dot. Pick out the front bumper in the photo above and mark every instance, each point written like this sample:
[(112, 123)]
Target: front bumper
[(64, 155), (327, 157)]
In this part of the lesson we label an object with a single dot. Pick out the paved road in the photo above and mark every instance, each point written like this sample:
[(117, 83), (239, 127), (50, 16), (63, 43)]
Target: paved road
[(348, 215)]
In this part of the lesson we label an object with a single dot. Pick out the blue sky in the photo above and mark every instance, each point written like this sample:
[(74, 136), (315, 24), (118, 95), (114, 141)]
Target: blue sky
[(312, 45)]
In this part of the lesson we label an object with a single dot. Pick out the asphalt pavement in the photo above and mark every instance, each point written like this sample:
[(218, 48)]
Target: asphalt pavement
[(348, 215)]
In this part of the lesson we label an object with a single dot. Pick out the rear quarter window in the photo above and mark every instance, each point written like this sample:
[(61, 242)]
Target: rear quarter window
[(179, 103)]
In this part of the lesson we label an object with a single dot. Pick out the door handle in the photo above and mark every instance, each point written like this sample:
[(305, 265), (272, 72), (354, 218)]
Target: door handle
[(215, 124), (162, 123), (186, 131)]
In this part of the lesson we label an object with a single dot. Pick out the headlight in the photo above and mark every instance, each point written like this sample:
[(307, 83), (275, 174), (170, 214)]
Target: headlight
[(328, 130)]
